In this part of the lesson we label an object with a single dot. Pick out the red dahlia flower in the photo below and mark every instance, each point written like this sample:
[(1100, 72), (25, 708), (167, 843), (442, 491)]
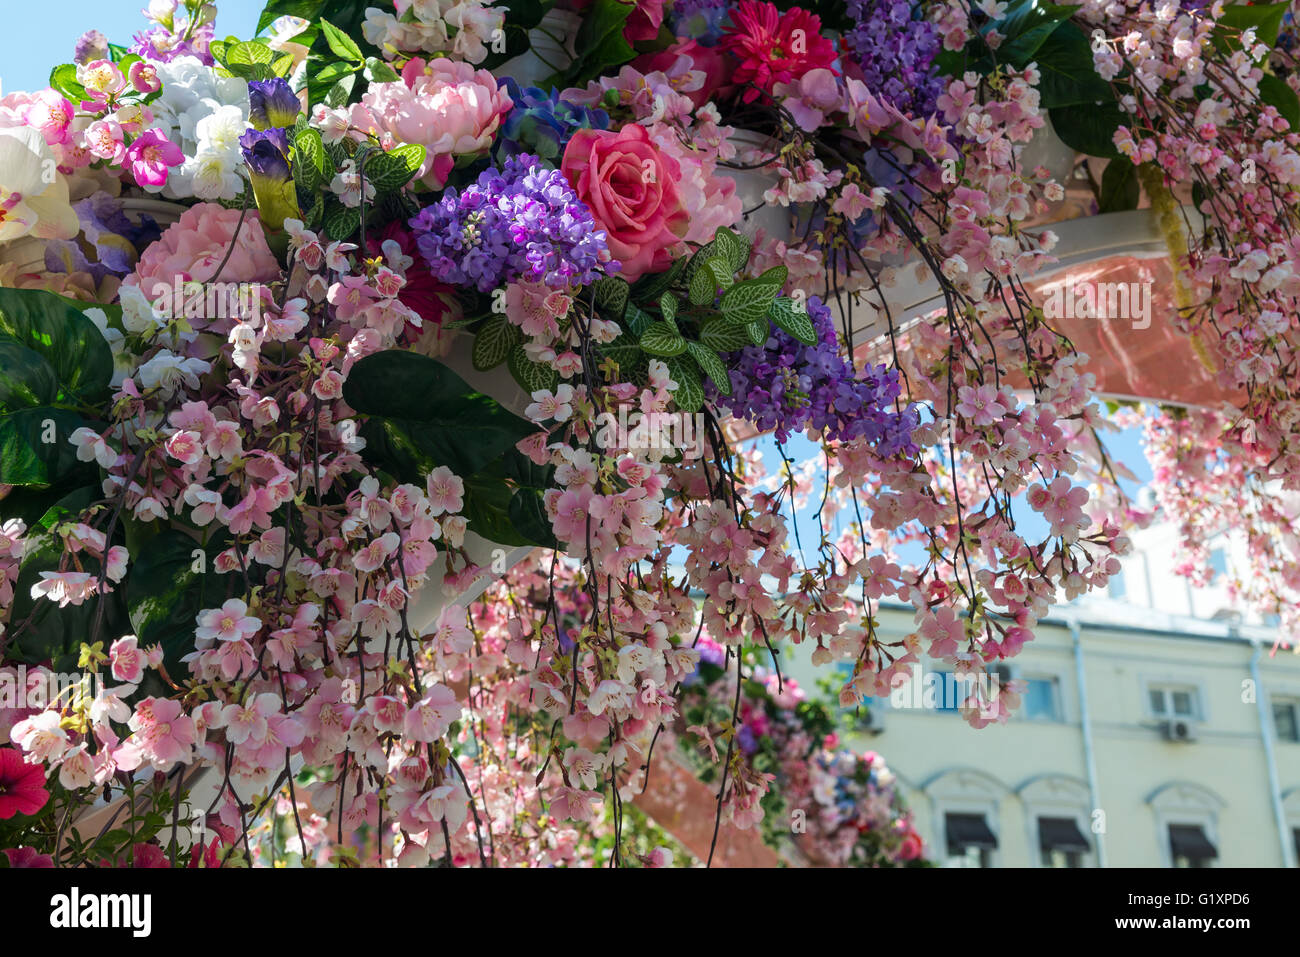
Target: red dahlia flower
[(22, 785), (775, 47)]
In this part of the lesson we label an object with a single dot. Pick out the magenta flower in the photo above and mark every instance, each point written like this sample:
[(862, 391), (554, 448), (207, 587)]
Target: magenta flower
[(22, 785), (150, 156)]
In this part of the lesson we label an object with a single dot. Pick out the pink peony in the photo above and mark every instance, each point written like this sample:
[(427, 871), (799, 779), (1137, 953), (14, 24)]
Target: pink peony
[(194, 247), (631, 188), (710, 200), (446, 105)]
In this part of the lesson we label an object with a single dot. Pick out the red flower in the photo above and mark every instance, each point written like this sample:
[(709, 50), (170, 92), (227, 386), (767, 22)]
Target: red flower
[(773, 47), (22, 785), (433, 300)]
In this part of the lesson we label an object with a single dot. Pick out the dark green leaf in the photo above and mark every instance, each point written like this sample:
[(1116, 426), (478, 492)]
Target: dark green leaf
[(689, 394), (1274, 91), (532, 376), (1068, 75), (662, 339), (69, 342), (1089, 128), (721, 335), (394, 169), (494, 341), (26, 379), (793, 321), (34, 446), (169, 583), (712, 365), (1120, 189)]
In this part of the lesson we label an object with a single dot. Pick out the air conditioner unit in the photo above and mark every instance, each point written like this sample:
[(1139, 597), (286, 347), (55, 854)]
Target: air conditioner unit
[(1181, 731)]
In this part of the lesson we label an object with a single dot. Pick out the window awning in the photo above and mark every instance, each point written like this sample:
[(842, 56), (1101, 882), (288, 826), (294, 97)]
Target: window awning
[(1062, 834), (1189, 840), (969, 830)]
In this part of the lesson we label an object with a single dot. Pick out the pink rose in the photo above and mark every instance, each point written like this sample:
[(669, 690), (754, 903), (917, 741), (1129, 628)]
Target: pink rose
[(194, 247), (446, 105), (631, 188)]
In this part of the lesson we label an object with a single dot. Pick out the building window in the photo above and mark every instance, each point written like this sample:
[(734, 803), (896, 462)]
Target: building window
[(1173, 701), (1061, 843), (1041, 700), (1189, 847), (1219, 562), (970, 840), (1285, 720), (1117, 587)]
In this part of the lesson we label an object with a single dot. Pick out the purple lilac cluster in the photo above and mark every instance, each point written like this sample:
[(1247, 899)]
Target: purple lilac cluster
[(520, 222), (700, 20), (159, 43), (787, 386), (895, 49)]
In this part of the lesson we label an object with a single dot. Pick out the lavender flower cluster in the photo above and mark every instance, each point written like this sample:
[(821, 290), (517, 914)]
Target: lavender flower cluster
[(520, 222), (787, 386), (895, 50)]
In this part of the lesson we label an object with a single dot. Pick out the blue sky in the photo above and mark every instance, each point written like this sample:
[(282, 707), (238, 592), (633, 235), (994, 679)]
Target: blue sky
[(40, 34)]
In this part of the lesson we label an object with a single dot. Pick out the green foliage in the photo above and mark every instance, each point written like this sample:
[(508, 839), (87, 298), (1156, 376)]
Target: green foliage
[(421, 415)]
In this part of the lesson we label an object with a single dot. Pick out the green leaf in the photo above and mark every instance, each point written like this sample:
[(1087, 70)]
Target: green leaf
[(752, 299), (39, 630), (1120, 189), (1026, 27), (637, 320), (758, 331), (69, 342), (378, 71), (494, 341), (723, 274), (532, 376), (169, 583), (712, 365), (528, 517), (340, 43), (1068, 77), (26, 379), (703, 287), (793, 321), (342, 221), (733, 249), (600, 41), (722, 335), (64, 79), (1089, 128), (35, 447), (249, 52), (662, 339), (1266, 18), (624, 350), (668, 306), (611, 293), (394, 169), (650, 287), (312, 164), (1274, 91), (429, 415), (689, 394)]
